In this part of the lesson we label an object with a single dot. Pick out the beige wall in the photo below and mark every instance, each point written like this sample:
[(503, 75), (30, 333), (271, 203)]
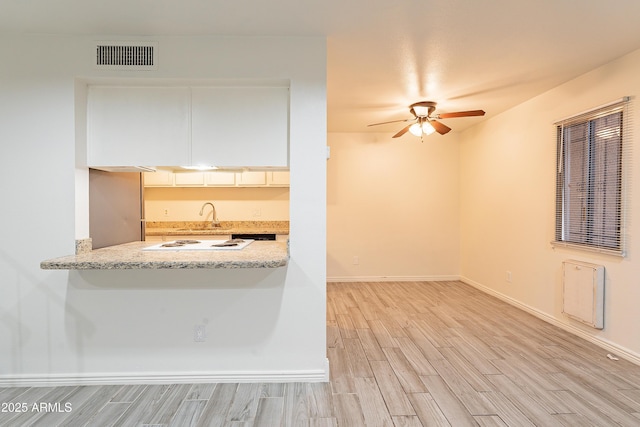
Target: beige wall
[(478, 204), (393, 204), (507, 193), (232, 204)]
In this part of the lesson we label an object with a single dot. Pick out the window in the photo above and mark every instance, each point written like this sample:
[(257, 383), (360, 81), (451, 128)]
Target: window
[(589, 199)]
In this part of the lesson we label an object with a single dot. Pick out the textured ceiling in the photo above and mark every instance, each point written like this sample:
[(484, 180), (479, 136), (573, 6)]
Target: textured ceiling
[(385, 54)]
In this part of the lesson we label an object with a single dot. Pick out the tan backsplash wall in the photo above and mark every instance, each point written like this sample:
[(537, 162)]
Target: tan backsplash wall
[(232, 204)]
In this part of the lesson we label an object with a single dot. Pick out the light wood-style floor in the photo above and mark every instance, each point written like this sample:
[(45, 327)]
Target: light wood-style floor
[(401, 354)]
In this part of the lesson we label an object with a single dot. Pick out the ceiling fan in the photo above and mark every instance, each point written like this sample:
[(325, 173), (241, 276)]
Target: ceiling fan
[(425, 122)]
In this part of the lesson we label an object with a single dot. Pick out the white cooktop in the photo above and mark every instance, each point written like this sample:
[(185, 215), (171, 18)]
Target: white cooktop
[(201, 245)]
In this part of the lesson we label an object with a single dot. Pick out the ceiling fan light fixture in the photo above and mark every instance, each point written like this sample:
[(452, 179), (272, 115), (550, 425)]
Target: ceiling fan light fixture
[(428, 128), (416, 129), (421, 111), (425, 123)]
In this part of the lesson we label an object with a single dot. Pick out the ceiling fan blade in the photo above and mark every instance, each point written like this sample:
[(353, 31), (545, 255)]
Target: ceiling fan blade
[(392, 121), (402, 131), (439, 127), (461, 114)]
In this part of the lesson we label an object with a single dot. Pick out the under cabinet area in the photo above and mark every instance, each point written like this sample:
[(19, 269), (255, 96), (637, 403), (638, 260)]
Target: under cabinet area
[(224, 126)]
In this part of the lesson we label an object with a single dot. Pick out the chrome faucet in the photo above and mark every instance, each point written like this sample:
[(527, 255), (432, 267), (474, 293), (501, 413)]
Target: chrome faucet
[(214, 221)]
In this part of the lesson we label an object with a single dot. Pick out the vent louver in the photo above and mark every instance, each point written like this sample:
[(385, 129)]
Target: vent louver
[(126, 56)]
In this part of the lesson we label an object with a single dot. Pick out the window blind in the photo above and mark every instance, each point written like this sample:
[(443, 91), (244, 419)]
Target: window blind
[(592, 162)]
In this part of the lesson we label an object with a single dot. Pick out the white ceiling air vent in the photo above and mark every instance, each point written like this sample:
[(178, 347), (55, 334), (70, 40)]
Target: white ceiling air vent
[(127, 55)]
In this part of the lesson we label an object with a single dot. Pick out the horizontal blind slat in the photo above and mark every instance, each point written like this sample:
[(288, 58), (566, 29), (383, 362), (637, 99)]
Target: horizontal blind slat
[(592, 160)]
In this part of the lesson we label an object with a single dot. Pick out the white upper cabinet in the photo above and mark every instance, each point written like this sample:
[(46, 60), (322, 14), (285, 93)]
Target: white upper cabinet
[(240, 126), (138, 126), (182, 126)]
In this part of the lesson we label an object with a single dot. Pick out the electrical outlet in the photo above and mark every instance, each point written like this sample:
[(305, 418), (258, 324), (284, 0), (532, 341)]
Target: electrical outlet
[(199, 333), (356, 260), (508, 276), (257, 212), (165, 212)]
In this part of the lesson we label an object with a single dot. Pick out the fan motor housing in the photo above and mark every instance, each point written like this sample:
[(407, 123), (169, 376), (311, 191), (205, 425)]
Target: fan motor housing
[(430, 106)]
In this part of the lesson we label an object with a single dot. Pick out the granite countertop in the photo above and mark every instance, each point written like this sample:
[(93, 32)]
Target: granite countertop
[(200, 228), (259, 254)]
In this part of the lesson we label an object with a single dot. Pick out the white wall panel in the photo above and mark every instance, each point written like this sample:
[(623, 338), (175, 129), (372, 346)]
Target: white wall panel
[(99, 326)]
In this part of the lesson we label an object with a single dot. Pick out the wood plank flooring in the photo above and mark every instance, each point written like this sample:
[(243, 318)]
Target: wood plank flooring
[(401, 354)]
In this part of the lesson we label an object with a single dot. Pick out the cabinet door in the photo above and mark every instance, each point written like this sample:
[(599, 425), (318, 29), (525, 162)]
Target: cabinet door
[(251, 178), (240, 126), (189, 178), (158, 179), (138, 126), (220, 178), (278, 178)]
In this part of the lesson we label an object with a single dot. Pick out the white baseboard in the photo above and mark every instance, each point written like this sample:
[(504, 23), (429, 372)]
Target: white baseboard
[(606, 345), (57, 380), (392, 278)]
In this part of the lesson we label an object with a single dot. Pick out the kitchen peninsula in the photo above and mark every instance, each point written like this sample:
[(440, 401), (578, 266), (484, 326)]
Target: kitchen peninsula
[(132, 256), (259, 254)]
